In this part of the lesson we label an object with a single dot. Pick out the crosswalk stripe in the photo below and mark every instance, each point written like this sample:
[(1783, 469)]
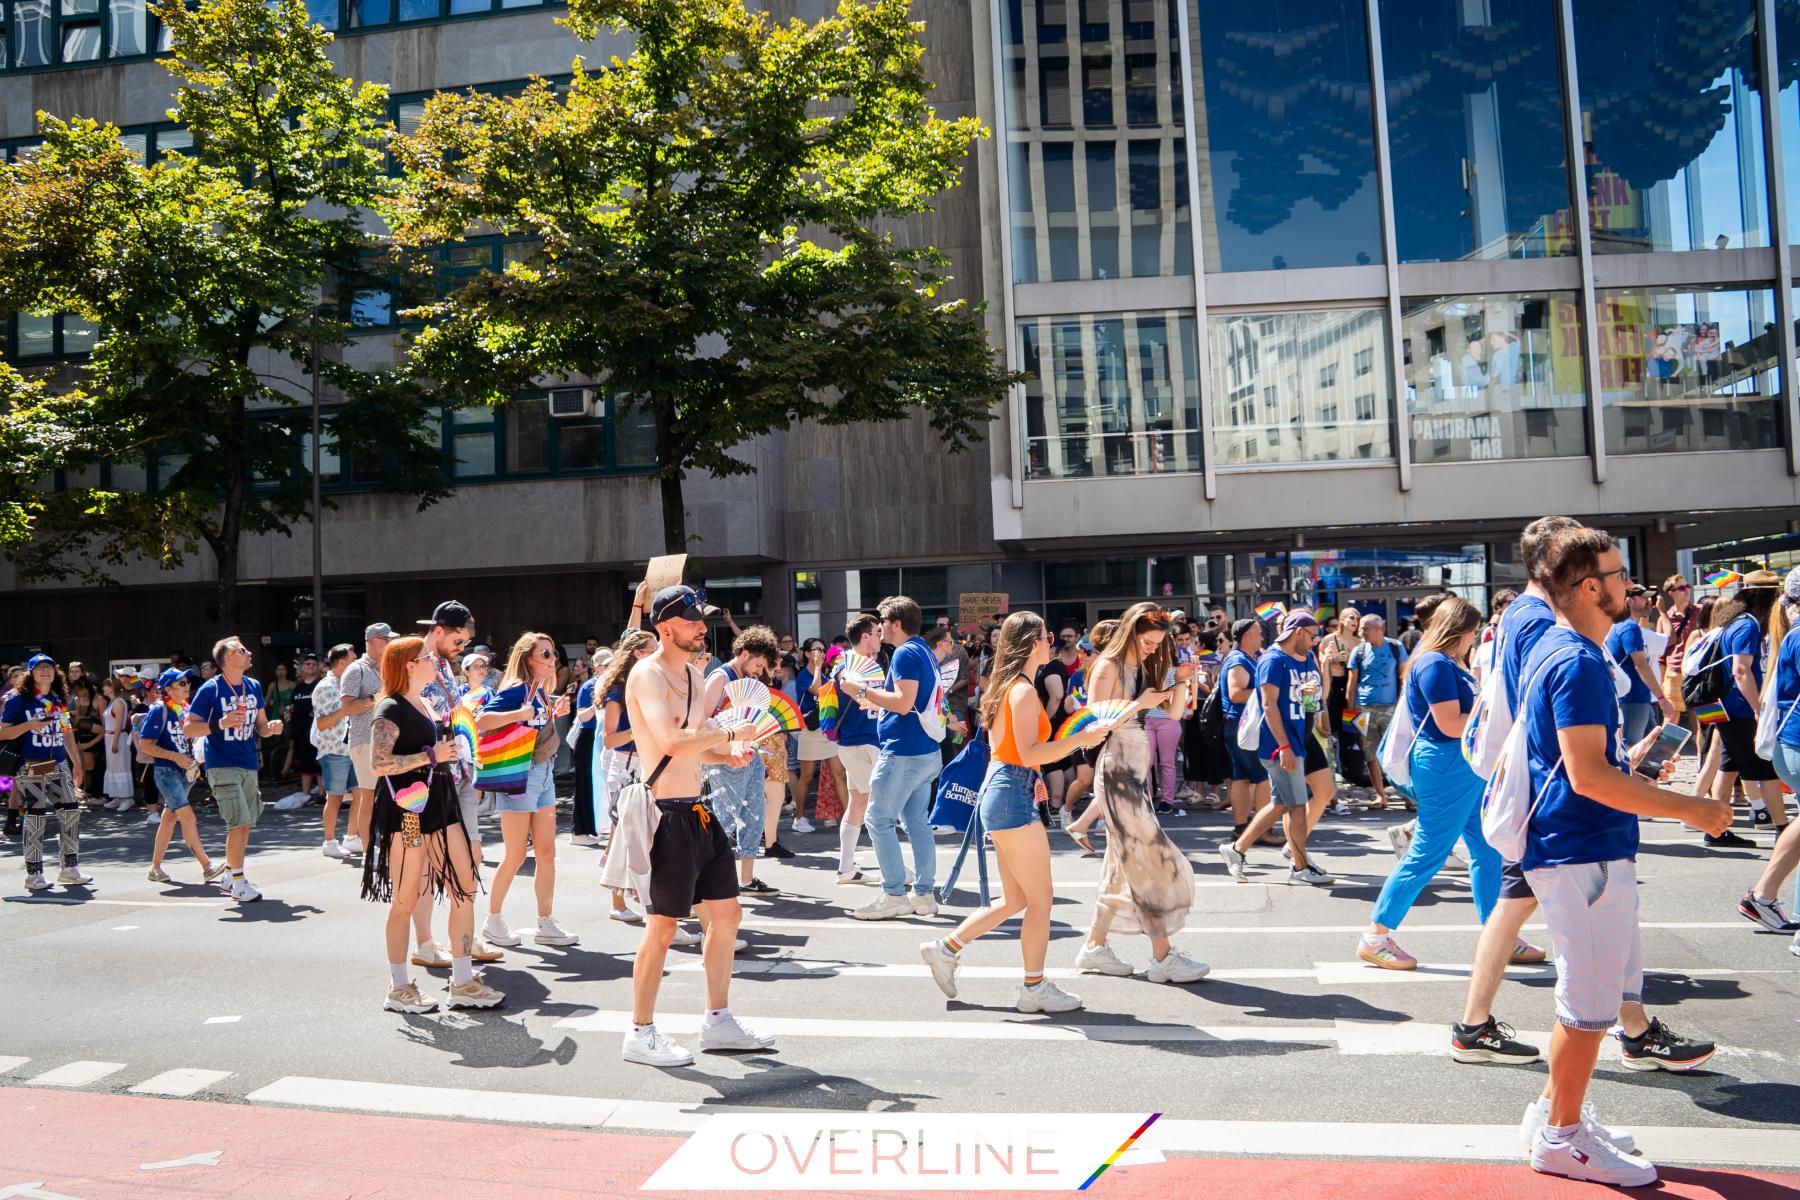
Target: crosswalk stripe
[(927, 925), (75, 1074), (182, 1081), (11, 1063), (471, 1104)]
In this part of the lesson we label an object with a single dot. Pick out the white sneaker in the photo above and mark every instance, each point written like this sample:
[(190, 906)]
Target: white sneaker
[(848, 877), (1234, 861), (152, 818), (1400, 837), (883, 908), (430, 954), (1287, 852), (1537, 1115), (943, 966), (332, 850), (473, 994), (630, 916), (654, 1050), (495, 931), (1177, 968), (409, 999), (687, 937), (551, 933), (73, 877), (1588, 1156), (924, 904), (1101, 961), (36, 883), (1310, 873), (1340, 808), (352, 845), (1046, 997), (243, 891), (730, 1034), (158, 875), (584, 839), (803, 826)]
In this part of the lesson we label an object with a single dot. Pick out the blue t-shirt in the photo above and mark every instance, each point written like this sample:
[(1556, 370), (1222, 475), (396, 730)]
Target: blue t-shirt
[(1626, 639), (234, 746), (901, 733), (1237, 658), (162, 730), (1743, 636), (1433, 679), (1787, 688), (1573, 690), (584, 696), (1288, 673), (809, 703), (616, 695), (45, 745), (1521, 625), (513, 698), (1378, 672), (856, 726)]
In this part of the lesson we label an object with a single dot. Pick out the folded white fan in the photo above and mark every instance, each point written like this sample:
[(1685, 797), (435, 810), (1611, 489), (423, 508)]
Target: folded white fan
[(948, 673), (737, 718), (746, 693)]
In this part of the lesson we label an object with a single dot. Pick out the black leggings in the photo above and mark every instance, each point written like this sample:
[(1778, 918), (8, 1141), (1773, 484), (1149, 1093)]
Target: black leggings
[(584, 785)]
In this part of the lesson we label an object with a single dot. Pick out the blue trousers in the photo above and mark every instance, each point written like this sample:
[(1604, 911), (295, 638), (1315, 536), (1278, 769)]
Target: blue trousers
[(1449, 800)]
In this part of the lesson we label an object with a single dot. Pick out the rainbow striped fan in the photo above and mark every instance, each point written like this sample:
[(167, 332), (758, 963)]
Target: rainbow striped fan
[(462, 728), (1104, 713), (767, 725), (862, 669), (746, 693), (736, 720), (786, 712)]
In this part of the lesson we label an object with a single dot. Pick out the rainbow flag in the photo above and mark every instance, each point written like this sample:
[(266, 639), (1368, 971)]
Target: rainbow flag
[(503, 759), (1722, 579), (1710, 714), (1269, 609), (462, 728), (828, 708)]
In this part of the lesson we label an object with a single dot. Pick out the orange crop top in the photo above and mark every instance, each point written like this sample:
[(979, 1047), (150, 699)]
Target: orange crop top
[(1006, 750)]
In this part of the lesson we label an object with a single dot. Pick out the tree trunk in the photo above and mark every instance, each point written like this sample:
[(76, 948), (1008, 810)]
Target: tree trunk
[(231, 522), (674, 509)]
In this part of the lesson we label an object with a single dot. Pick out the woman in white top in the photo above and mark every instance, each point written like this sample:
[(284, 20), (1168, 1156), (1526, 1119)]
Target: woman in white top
[(116, 785)]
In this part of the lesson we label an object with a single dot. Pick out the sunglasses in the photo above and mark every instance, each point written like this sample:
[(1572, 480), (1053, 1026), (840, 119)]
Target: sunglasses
[(546, 652)]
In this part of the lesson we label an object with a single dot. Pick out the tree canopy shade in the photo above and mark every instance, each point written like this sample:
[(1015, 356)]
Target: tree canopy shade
[(209, 278), (711, 213)]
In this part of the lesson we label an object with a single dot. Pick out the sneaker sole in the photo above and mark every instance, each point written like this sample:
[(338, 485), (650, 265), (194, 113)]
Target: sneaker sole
[(1127, 973), (1527, 960), (1461, 1055), (502, 942), (1657, 1064), (458, 1002), (1176, 981), (1375, 960), (1044, 1008), (755, 1047), (1759, 921), (895, 915), (541, 940), (1594, 1177), (686, 1060), (435, 966), (396, 1006)]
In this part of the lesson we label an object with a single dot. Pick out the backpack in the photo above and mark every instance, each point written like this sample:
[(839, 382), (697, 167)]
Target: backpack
[(1770, 718), (1490, 720), (1250, 720), (1508, 801), (1708, 684), (1212, 714), (1395, 752)]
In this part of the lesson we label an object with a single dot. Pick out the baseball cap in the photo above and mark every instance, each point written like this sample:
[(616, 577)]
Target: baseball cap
[(1762, 578), (469, 660), (380, 629), (1637, 589), (681, 603), (1296, 620), (38, 660), (451, 614), (170, 675)]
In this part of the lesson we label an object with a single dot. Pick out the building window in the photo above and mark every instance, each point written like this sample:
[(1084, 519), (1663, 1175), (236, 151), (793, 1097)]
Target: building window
[(1365, 407), (1114, 395), (1289, 172), (1282, 353), (1673, 126), (1328, 375), (1688, 370), (1069, 162), (1497, 376)]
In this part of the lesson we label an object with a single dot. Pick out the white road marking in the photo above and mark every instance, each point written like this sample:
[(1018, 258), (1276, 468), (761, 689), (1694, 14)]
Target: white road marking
[(224, 1020), (182, 1081), (30, 1191), (10, 1063), (209, 1158), (123, 928), (76, 1074), (945, 919), (1745, 1147), (119, 903)]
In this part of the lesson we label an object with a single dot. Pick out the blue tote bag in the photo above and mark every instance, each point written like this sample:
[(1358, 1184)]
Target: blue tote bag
[(960, 784)]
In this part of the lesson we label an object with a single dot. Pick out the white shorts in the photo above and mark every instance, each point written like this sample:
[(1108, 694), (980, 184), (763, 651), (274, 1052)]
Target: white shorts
[(1592, 912), (816, 747), (363, 759), (859, 764)]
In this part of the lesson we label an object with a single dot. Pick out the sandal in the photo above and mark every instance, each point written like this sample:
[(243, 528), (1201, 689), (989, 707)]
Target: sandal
[(1081, 839)]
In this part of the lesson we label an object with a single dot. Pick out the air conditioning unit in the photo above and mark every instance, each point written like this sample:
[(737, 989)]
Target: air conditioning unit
[(570, 404)]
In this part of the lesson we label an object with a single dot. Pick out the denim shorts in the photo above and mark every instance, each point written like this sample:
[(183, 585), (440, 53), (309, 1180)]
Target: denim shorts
[(338, 774), (1007, 798), (1245, 764), (539, 794), (171, 784)]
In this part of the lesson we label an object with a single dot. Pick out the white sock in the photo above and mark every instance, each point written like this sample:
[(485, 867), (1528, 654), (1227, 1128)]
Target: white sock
[(397, 974), (1757, 804), (716, 1016), (640, 1029), (462, 970), (1560, 1133), (848, 835)]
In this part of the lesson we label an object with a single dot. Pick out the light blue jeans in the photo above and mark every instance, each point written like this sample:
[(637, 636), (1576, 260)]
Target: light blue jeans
[(1449, 800), (1637, 718), (900, 790), (736, 796)]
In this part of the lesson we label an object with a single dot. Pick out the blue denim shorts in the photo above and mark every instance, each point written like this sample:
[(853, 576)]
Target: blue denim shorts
[(171, 784), (540, 791), (1245, 764), (338, 774), (1007, 798)]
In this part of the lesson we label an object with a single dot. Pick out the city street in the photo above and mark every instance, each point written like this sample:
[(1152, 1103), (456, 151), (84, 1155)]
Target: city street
[(149, 1024)]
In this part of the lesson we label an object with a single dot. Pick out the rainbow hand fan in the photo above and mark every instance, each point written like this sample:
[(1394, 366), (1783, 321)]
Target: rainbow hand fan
[(412, 797), (786, 712), (767, 725), (503, 759), (746, 693), (462, 728), (860, 668), (1104, 713), (736, 720)]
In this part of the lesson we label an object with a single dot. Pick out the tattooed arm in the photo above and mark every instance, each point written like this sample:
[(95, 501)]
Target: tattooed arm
[(383, 734)]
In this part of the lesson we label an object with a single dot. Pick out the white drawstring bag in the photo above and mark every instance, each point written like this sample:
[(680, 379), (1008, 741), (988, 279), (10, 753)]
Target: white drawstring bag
[(1490, 720), (1250, 721), (1508, 801), (1396, 746), (1769, 721)]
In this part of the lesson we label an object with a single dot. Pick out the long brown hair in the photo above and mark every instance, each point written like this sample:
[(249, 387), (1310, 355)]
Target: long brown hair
[(394, 660), (1142, 617), (1451, 619), (623, 659), (1019, 633), (1780, 621), (518, 660)]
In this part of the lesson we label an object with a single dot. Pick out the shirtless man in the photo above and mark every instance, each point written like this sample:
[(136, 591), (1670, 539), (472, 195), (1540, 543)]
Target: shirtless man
[(691, 862)]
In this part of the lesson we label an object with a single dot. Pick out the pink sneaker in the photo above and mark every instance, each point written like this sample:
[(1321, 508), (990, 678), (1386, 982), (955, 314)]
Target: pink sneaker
[(1385, 954)]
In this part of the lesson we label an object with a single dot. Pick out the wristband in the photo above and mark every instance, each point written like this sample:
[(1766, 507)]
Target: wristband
[(431, 755), (1278, 750)]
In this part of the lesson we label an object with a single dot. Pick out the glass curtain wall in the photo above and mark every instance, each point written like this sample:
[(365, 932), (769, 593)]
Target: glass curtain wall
[(1300, 387)]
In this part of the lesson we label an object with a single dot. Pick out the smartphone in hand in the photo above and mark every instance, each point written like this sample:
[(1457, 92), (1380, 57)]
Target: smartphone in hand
[(1670, 740)]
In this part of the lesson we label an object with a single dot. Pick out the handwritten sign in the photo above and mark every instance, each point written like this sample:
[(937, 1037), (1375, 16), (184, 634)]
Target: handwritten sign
[(665, 570), (974, 609)]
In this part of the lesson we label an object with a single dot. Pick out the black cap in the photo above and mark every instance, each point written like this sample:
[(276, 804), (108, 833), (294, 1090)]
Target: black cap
[(451, 614), (309, 656), (679, 602)]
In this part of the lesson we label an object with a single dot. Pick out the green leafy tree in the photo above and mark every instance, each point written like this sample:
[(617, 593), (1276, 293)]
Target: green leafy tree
[(714, 215), (210, 277)]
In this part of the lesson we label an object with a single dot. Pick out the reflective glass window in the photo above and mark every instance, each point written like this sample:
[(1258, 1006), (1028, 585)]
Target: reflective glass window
[(1475, 126), (1288, 179), (130, 28), (1276, 358), (78, 334), (580, 447), (1112, 395), (634, 436), (31, 33), (418, 10), (474, 454), (528, 435), (1688, 370), (323, 13), (1673, 124), (1495, 376)]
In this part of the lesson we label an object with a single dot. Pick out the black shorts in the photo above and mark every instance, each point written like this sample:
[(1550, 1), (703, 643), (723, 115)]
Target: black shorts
[(1739, 738), (690, 859), (1316, 759), (1513, 884)]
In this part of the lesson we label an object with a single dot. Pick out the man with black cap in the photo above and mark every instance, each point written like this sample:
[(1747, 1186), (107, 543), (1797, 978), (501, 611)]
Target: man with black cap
[(360, 684), (668, 844)]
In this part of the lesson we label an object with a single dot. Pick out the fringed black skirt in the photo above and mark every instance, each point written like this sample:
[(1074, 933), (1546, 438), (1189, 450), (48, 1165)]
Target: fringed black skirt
[(426, 833)]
